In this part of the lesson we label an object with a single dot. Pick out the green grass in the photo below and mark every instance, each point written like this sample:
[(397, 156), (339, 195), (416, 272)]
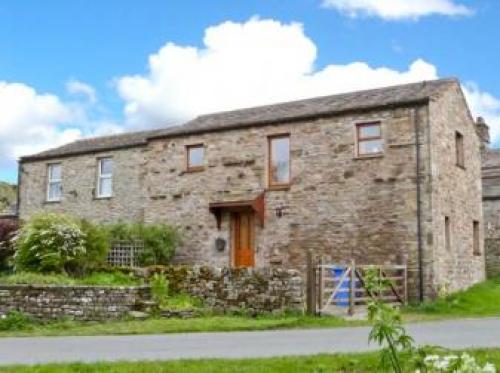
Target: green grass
[(207, 323), (481, 300), (96, 278), (367, 362)]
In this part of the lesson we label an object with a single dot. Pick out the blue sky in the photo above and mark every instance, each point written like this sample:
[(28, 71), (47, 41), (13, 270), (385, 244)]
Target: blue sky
[(77, 68)]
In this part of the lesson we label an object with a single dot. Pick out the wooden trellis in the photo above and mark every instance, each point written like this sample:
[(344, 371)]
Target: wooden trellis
[(125, 253)]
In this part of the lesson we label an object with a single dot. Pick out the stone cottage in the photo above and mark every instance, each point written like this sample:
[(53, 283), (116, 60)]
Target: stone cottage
[(389, 175)]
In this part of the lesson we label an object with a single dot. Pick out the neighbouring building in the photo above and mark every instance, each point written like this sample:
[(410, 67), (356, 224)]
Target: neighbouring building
[(491, 202), (390, 175)]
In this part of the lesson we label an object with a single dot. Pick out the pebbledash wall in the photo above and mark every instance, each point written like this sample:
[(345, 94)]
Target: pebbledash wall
[(338, 205), (84, 303)]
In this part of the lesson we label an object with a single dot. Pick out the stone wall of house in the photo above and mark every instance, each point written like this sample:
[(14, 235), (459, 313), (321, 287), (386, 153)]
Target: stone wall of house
[(456, 193), (338, 205), (253, 291), (83, 303), (79, 179)]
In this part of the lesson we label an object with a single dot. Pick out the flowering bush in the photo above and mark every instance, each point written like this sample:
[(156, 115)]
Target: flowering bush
[(453, 364), (49, 243)]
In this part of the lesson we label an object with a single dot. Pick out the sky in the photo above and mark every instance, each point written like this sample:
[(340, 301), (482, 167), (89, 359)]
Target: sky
[(73, 69)]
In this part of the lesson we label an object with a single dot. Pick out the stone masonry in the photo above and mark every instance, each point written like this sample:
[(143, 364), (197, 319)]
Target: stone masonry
[(338, 205), (83, 303)]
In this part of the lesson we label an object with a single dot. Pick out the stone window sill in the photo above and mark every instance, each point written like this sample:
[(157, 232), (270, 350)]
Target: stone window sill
[(51, 202), (368, 156)]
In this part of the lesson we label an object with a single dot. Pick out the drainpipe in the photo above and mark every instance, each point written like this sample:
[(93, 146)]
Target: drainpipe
[(19, 169), (419, 209)]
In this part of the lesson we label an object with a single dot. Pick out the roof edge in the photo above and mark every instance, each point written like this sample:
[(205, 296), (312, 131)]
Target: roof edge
[(297, 118)]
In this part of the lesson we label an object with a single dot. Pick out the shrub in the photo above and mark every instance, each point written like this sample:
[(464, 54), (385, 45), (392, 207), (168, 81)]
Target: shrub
[(96, 247), (8, 229), (49, 243), (15, 321), (160, 240)]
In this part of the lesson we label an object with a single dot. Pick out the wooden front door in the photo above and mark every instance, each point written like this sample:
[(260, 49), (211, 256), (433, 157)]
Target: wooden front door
[(243, 239)]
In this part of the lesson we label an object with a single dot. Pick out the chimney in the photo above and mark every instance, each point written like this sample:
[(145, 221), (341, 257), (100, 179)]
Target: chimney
[(483, 131)]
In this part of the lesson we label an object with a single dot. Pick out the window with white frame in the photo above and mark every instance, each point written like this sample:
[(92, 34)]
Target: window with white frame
[(105, 178), (54, 182)]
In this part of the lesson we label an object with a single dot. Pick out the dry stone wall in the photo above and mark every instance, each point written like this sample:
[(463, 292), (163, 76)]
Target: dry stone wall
[(83, 303), (251, 291)]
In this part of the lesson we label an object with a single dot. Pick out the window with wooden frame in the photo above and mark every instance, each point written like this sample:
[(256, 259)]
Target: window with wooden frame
[(476, 242), (279, 161), (459, 149), (195, 157), (105, 178), (54, 182), (369, 139)]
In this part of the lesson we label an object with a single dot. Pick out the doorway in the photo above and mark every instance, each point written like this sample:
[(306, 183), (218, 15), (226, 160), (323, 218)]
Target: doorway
[(243, 237)]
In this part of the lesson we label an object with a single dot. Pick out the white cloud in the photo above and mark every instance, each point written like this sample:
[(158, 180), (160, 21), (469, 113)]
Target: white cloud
[(76, 87), (254, 63), (241, 65), (30, 122), (398, 9)]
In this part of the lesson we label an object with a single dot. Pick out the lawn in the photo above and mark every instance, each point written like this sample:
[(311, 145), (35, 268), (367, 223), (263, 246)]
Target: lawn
[(367, 362), (481, 300), (203, 323), (113, 278)]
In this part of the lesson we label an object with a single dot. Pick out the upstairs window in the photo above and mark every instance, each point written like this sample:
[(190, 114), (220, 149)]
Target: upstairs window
[(476, 242), (459, 149), (279, 160), (105, 178), (54, 182), (195, 157), (369, 139)]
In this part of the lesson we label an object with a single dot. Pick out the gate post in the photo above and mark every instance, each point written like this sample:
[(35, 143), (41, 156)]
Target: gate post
[(311, 285), (352, 287), (321, 285)]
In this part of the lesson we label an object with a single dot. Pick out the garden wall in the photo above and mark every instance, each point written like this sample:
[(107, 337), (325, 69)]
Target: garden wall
[(85, 303), (234, 290)]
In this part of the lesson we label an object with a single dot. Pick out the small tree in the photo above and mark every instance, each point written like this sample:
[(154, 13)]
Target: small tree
[(388, 330)]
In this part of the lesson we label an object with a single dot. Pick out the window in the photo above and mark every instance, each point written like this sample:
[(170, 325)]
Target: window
[(279, 160), (369, 139), (105, 178), (447, 233), (195, 157), (459, 149), (54, 182), (476, 243)]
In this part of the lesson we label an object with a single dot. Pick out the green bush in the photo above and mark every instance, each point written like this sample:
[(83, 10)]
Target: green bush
[(15, 321), (49, 243), (96, 247), (160, 240)]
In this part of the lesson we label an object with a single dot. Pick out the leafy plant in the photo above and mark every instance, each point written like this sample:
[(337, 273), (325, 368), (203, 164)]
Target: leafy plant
[(49, 243), (159, 288), (96, 247), (387, 330), (8, 229), (15, 321), (115, 278)]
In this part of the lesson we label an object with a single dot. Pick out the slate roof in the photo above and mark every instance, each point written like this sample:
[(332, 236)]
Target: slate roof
[(282, 112)]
